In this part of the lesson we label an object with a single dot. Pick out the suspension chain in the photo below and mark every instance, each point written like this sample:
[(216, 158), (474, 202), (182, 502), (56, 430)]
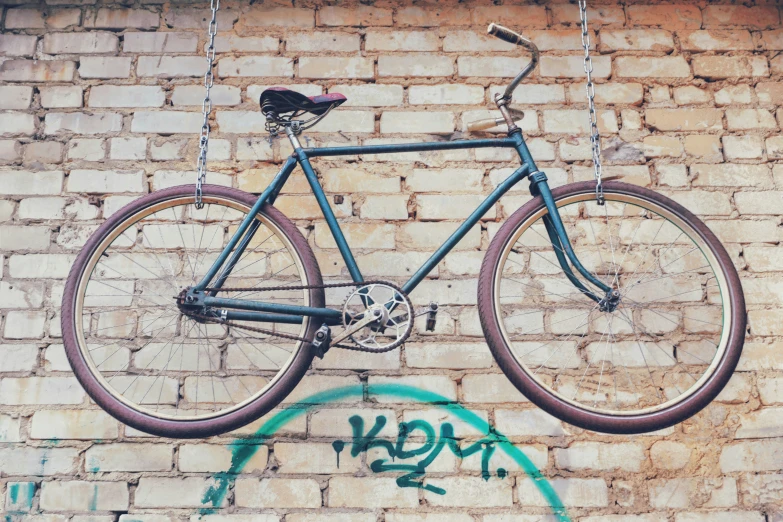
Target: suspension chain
[(595, 138), (271, 333), (206, 105)]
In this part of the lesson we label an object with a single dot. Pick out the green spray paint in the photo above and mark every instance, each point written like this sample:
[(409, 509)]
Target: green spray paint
[(241, 452), (20, 497)]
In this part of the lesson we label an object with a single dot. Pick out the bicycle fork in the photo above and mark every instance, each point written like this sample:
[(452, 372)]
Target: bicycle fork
[(558, 236)]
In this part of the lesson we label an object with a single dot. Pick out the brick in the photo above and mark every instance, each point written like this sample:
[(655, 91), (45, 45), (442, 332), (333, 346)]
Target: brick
[(448, 94), (73, 424), (439, 385), (680, 492), (763, 423), (174, 66), (370, 95), (82, 123), (569, 122), (335, 67), (314, 42), (764, 322), (126, 96), (401, 41), (667, 16), (249, 44), (80, 43), (361, 15), (599, 456), (521, 15), (277, 493), (748, 119), (255, 66), (36, 71), (704, 146), (106, 181), (75, 495), (573, 492), (15, 97), (313, 458), (490, 388), (18, 357), (166, 122), (721, 67), (86, 149), (471, 492), (427, 16), (430, 122), (10, 151), (647, 67), (19, 497), (370, 492), (43, 152), (437, 207), (30, 183), (605, 93), (9, 429), (743, 147), (716, 40), (27, 237), (64, 18), (454, 355), (24, 18), (221, 95), (684, 119), (415, 65), (104, 67), (158, 43), (690, 95), (731, 175), (61, 97), (770, 390), (528, 422), (470, 41), (17, 45), (636, 40), (670, 455), (128, 457), (279, 16), (757, 17), (570, 66), (194, 18), (719, 516), (123, 19), (662, 146), (206, 458), (128, 148), (761, 455), (188, 492), (12, 123)]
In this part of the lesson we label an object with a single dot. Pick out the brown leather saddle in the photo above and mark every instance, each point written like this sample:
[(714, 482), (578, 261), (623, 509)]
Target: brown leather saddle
[(279, 101)]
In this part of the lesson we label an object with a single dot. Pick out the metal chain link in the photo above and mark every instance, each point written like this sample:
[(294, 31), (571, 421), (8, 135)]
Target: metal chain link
[(595, 138), (206, 105)]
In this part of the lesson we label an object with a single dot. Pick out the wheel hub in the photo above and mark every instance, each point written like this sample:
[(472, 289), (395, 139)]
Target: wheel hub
[(610, 302)]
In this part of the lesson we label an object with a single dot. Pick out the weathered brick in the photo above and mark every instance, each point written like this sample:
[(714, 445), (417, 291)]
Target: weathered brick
[(36, 71), (361, 15), (30, 183), (761, 455), (173, 66), (667, 16), (684, 119), (649, 67), (24, 18), (626, 456), (277, 493), (757, 17), (716, 40), (573, 492), (187, 492), (279, 16), (60, 97), (128, 457), (123, 19), (370, 492), (255, 66), (417, 122), (15, 97), (415, 65), (106, 181), (637, 40), (80, 43), (78, 495), (126, 96), (13, 123), (401, 41), (82, 123), (105, 67), (17, 45), (721, 67), (748, 119), (168, 42), (166, 122), (193, 18), (370, 95)]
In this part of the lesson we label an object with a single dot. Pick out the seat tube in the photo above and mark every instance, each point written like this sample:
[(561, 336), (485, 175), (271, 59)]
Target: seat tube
[(331, 220)]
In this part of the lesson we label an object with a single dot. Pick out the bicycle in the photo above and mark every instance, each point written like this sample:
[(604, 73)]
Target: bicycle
[(195, 310)]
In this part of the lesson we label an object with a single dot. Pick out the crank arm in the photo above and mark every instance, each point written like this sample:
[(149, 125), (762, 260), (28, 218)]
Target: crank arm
[(368, 318)]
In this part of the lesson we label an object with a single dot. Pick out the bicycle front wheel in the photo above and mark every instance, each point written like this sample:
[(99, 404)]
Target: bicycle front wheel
[(155, 365), (656, 358)]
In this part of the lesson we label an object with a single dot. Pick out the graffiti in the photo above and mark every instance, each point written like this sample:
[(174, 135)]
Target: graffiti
[(242, 451), (430, 449)]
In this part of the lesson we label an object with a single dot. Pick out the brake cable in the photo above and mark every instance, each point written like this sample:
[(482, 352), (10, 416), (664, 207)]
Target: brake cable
[(595, 138)]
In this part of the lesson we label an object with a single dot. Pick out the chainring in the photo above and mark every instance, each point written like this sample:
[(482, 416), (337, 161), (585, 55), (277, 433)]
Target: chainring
[(396, 323)]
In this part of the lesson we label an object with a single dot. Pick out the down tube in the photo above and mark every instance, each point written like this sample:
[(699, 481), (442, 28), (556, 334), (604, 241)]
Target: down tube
[(458, 234), (272, 189)]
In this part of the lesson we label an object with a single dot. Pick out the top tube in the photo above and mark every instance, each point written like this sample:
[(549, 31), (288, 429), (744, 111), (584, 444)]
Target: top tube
[(409, 147)]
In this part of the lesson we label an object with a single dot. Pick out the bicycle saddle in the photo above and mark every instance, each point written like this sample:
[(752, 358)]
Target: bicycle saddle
[(280, 100)]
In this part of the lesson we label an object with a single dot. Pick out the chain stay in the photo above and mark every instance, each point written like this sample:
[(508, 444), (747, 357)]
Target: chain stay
[(206, 105), (595, 138), (299, 287)]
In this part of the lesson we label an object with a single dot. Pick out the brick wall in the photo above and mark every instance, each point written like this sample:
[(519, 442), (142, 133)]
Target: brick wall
[(100, 104)]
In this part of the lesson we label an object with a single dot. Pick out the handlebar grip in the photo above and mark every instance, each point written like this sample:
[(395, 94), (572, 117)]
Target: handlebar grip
[(504, 33), (480, 125)]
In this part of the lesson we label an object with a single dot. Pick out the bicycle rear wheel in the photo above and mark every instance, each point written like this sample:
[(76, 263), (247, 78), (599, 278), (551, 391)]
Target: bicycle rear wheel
[(170, 373), (656, 359)]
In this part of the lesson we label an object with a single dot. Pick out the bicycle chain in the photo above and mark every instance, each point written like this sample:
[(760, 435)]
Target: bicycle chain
[(303, 287)]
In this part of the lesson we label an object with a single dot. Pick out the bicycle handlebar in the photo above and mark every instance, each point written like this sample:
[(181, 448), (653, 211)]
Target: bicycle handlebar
[(507, 35)]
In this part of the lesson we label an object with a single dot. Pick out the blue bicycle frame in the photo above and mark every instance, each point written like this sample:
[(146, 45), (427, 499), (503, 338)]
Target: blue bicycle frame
[(274, 312)]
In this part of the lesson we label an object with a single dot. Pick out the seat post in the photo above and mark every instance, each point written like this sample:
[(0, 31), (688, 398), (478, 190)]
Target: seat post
[(292, 137)]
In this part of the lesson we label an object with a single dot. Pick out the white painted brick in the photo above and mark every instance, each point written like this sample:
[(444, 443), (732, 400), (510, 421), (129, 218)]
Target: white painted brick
[(126, 96), (106, 181), (277, 493), (154, 43), (573, 492), (84, 496), (255, 66), (17, 45), (31, 183), (104, 67), (58, 97), (86, 149), (15, 97), (165, 492), (82, 123), (415, 65), (401, 41), (417, 122), (194, 95), (80, 43), (36, 70), (314, 42), (12, 123), (372, 95), (167, 122), (128, 148), (123, 19), (170, 66)]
